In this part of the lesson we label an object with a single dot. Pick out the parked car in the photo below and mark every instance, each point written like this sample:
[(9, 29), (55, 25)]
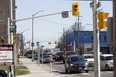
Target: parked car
[(76, 63), (3, 73), (106, 61), (89, 58)]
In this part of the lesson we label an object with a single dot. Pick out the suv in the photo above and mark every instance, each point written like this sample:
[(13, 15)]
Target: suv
[(106, 61), (76, 63)]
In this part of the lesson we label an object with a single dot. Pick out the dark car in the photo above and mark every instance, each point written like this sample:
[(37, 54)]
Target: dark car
[(68, 53), (3, 73), (46, 58), (28, 54), (76, 63), (58, 56)]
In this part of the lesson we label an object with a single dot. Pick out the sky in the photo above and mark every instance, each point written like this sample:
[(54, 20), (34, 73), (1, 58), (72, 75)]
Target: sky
[(50, 28)]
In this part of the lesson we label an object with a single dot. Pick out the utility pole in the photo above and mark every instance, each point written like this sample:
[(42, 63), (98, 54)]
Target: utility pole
[(64, 43), (32, 44), (114, 37), (96, 41)]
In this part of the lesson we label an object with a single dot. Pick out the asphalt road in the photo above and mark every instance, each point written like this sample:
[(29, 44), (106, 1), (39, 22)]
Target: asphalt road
[(58, 68)]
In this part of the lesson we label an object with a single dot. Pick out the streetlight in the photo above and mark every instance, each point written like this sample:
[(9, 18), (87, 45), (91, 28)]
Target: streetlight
[(24, 31), (32, 44), (22, 45)]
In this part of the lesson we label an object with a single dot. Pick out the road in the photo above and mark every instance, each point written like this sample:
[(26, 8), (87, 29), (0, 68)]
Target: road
[(58, 68)]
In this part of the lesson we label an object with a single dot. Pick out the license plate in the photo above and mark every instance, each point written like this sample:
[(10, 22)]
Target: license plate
[(80, 67)]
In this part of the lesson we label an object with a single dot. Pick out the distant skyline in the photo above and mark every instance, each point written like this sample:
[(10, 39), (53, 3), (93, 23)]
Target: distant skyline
[(50, 28)]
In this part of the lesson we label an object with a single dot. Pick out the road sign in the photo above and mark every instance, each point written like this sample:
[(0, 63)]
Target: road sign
[(6, 55), (65, 14), (13, 28), (32, 44)]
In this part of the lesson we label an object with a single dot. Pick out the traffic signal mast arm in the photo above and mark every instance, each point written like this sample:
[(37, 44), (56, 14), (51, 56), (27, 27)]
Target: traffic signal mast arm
[(38, 16)]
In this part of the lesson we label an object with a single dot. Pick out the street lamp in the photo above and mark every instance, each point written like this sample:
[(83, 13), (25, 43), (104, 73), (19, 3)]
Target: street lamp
[(32, 44), (24, 31), (22, 45)]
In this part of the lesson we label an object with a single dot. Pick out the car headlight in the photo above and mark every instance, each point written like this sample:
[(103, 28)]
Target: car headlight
[(71, 64), (86, 63)]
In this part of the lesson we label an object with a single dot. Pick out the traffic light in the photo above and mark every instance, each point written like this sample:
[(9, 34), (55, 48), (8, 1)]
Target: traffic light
[(14, 39), (101, 19), (55, 42), (75, 9), (49, 42)]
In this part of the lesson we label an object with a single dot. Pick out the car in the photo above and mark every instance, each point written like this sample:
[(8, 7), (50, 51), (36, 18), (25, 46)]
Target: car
[(28, 54), (76, 63), (45, 59), (58, 56), (68, 53), (3, 73), (89, 58), (106, 61)]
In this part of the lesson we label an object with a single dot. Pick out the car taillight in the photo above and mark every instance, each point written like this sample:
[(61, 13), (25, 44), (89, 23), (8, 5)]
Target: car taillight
[(53, 57)]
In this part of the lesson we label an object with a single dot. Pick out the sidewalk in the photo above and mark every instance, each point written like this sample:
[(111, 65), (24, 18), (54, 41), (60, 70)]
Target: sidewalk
[(37, 70)]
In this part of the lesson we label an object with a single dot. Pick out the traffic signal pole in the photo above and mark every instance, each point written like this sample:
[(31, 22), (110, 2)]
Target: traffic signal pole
[(96, 41), (114, 37)]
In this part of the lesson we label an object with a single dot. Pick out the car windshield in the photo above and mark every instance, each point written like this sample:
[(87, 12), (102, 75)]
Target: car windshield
[(46, 56), (77, 59), (109, 57)]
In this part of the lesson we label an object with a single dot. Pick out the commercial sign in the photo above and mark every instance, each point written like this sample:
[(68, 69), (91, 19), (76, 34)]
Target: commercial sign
[(6, 55)]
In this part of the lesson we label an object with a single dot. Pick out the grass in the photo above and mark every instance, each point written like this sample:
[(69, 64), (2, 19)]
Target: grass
[(21, 70)]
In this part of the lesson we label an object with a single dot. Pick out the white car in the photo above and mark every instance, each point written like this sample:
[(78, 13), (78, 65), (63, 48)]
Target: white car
[(90, 59), (106, 61)]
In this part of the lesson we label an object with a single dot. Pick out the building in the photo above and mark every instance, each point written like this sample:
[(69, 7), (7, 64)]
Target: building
[(110, 33), (4, 14), (83, 41)]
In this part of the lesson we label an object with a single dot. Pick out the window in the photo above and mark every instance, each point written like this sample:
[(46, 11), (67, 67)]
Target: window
[(1, 11), (102, 58), (104, 38), (91, 37)]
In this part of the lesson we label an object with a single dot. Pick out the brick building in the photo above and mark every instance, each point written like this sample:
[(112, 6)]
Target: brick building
[(4, 14)]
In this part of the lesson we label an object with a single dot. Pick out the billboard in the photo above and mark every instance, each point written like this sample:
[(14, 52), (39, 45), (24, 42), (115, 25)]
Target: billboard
[(6, 55)]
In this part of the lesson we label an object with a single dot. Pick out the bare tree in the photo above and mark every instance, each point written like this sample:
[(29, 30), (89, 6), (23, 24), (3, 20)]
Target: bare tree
[(77, 27)]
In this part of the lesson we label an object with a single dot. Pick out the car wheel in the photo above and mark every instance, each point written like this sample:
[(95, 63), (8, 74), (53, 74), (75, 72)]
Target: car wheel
[(86, 71), (1, 75), (106, 67), (69, 71), (66, 70)]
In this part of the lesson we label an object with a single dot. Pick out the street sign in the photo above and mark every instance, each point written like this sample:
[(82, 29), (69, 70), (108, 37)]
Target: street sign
[(65, 14), (6, 55), (32, 44), (13, 28)]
